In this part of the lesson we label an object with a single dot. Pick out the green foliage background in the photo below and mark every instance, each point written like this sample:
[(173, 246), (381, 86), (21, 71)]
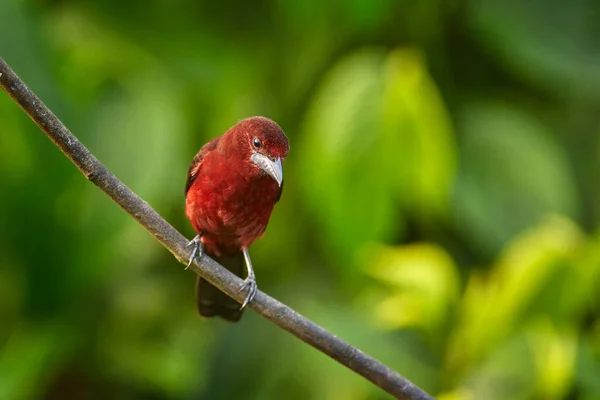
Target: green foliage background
[(440, 210)]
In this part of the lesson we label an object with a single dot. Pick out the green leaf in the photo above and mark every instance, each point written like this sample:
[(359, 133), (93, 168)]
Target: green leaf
[(375, 133), (554, 353), (495, 306), (422, 285), (512, 175), (342, 172), (418, 140)]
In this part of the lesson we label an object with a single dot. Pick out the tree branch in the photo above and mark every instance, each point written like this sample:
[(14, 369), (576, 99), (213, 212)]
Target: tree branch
[(169, 237)]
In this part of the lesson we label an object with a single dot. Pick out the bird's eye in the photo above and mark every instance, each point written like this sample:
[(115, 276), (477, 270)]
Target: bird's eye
[(256, 143)]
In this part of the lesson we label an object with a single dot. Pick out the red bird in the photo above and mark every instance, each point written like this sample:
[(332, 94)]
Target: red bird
[(232, 186)]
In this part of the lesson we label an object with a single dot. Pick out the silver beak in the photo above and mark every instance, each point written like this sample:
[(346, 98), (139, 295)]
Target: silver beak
[(271, 167)]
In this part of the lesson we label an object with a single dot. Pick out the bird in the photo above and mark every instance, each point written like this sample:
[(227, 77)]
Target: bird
[(232, 186)]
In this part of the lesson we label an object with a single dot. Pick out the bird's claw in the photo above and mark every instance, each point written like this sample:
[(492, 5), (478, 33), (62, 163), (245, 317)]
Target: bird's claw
[(250, 283), (197, 249)]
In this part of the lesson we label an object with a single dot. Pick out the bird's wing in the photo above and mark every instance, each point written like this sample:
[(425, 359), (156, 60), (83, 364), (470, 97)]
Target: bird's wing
[(197, 162)]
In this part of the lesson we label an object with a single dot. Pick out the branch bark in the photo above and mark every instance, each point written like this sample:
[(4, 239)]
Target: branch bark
[(169, 237)]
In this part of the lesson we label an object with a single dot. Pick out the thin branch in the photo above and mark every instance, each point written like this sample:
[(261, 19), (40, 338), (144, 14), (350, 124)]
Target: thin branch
[(169, 237)]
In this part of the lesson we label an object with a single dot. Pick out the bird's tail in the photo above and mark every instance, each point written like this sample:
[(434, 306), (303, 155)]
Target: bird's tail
[(211, 301)]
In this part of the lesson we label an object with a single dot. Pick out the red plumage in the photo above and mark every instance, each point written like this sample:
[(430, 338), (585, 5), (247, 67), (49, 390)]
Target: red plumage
[(232, 186)]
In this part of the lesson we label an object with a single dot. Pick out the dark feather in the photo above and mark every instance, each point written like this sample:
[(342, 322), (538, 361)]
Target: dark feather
[(211, 301), (197, 162)]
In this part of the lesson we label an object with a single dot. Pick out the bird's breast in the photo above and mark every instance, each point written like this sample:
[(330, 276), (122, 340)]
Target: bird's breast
[(232, 213)]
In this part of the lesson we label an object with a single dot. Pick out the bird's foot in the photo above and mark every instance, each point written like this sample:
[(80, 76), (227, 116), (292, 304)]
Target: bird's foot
[(250, 283), (197, 249)]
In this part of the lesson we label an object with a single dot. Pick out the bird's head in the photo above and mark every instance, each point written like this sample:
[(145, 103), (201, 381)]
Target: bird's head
[(263, 145)]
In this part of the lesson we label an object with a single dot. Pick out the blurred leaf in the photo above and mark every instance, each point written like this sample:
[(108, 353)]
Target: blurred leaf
[(343, 177), (422, 283), (374, 122), (536, 362), (495, 306), (554, 354), (580, 269), (512, 175), (555, 47), (419, 143)]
